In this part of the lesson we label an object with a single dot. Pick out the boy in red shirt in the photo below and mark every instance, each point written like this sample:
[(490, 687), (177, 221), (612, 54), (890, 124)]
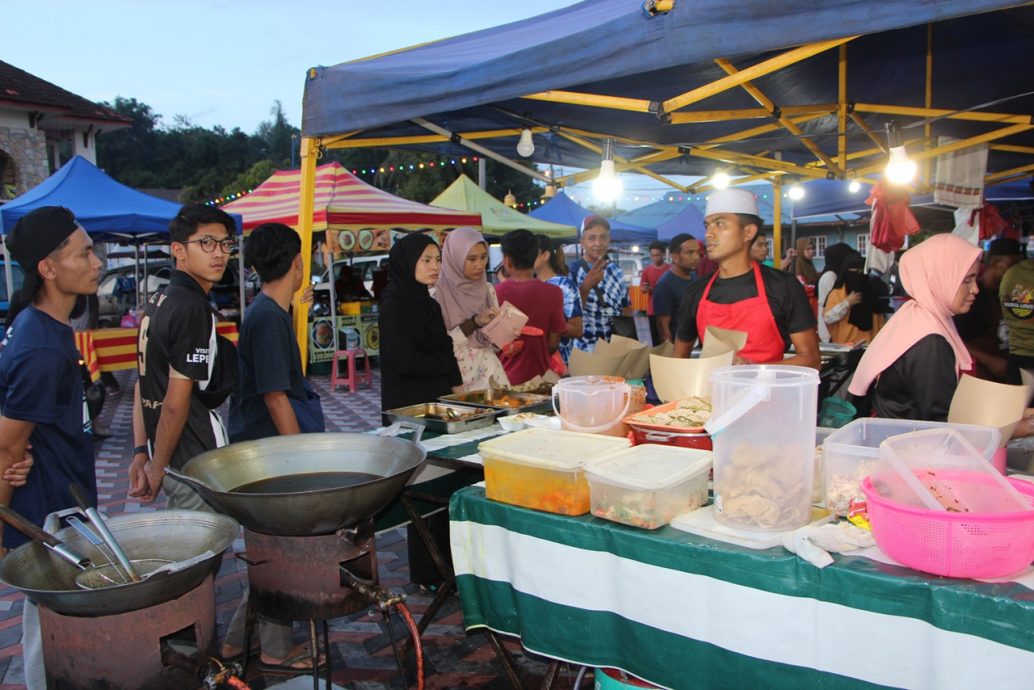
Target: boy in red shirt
[(542, 302)]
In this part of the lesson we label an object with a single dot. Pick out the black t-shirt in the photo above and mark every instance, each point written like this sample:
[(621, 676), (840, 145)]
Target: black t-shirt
[(786, 299), (41, 383), (270, 361), (177, 339), (667, 296), (920, 384)]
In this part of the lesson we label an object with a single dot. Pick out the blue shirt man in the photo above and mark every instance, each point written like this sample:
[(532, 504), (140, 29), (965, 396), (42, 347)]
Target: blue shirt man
[(601, 284)]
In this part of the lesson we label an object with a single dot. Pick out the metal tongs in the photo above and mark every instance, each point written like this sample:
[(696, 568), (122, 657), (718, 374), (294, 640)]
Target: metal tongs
[(102, 529)]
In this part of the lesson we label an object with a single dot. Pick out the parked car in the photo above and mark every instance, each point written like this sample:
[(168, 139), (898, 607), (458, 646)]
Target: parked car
[(17, 279), (117, 290)]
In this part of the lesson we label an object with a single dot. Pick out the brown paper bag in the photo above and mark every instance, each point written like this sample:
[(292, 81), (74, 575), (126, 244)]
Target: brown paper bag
[(718, 341), (987, 403), (675, 378)]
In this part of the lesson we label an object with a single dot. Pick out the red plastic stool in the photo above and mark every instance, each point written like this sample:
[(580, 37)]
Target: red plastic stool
[(353, 379)]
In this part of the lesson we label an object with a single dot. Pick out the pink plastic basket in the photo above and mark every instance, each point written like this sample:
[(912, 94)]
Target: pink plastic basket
[(953, 544), (967, 545)]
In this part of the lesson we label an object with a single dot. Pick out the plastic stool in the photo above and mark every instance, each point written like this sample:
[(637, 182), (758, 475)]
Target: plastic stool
[(353, 379)]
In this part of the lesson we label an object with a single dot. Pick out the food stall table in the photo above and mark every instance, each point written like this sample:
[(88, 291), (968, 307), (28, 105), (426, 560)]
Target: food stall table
[(680, 610)]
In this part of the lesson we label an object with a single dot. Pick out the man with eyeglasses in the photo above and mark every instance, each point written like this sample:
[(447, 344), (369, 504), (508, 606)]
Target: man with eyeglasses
[(185, 373), (742, 295)]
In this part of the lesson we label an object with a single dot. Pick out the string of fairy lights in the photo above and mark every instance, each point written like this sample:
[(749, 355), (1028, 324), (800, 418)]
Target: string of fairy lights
[(577, 193)]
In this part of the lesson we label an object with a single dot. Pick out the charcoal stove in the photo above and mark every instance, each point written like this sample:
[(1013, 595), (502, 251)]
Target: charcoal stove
[(150, 635), (307, 504)]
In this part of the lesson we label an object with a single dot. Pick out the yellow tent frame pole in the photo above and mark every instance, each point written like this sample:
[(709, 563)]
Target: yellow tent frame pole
[(1005, 174), (957, 145), (1012, 148), (695, 116), (928, 101), (842, 107), (626, 164), (864, 126), (973, 116), (428, 138), (753, 72), (306, 205), (777, 221), (783, 120), (636, 105), (487, 153), (770, 164)]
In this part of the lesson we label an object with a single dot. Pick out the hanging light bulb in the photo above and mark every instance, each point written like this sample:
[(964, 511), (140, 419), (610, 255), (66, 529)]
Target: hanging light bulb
[(854, 186), (549, 192), (510, 200), (607, 186), (525, 146), (900, 168), (721, 179), (796, 191)]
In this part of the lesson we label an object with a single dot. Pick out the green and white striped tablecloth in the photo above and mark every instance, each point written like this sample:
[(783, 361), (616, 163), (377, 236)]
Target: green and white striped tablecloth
[(683, 611)]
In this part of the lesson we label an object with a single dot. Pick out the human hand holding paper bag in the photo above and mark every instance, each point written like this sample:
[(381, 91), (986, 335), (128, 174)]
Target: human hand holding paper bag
[(506, 326)]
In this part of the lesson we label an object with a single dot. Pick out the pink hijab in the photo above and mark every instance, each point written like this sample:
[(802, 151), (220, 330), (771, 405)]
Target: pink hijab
[(460, 297), (931, 273)]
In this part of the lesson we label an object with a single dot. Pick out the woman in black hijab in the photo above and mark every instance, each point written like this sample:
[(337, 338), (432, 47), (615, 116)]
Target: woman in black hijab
[(862, 319), (835, 255), (417, 361)]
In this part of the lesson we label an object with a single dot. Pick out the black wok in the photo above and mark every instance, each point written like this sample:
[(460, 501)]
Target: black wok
[(303, 485)]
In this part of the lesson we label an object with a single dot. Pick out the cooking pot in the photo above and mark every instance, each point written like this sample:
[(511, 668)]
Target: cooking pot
[(193, 539), (306, 484)]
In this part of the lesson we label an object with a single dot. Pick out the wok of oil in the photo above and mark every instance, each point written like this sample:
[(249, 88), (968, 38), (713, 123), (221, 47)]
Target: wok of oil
[(313, 481)]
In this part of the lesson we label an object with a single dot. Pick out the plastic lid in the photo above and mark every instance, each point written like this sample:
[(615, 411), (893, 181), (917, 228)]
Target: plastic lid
[(864, 436), (560, 450), (650, 466), (940, 470)]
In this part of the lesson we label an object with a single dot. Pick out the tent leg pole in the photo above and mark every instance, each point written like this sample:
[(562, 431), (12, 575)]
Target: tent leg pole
[(482, 173), (240, 278)]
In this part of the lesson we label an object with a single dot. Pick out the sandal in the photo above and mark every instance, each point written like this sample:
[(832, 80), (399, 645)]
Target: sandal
[(287, 666)]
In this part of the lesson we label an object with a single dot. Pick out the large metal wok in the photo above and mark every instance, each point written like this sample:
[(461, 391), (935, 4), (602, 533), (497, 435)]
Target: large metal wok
[(335, 495), (170, 535)]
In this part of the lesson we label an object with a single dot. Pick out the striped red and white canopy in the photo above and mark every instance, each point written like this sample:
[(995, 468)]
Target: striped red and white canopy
[(343, 202)]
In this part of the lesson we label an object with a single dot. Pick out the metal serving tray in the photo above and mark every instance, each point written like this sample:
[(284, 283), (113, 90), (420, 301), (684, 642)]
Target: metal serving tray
[(530, 402), (434, 416)]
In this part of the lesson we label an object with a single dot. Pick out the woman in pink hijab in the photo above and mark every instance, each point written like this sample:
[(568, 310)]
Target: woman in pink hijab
[(916, 359), (468, 302)]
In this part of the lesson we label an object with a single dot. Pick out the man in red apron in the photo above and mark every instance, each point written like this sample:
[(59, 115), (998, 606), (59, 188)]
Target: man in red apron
[(742, 295)]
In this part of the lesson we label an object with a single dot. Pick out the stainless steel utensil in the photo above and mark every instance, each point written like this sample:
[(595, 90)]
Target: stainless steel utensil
[(102, 529)]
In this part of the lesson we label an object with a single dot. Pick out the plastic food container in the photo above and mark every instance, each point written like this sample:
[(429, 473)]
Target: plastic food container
[(763, 428), (852, 453), (953, 544), (646, 486), (543, 469)]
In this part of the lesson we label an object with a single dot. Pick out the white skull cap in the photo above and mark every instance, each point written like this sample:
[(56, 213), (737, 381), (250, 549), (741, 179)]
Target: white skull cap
[(732, 201)]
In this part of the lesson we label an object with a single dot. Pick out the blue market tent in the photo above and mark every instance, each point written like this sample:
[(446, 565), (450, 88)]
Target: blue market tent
[(670, 97), (108, 210), (668, 218), (566, 211)]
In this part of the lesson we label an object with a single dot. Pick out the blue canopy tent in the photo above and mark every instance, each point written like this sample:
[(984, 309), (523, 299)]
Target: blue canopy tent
[(680, 87), (668, 218), (108, 210), (566, 211)]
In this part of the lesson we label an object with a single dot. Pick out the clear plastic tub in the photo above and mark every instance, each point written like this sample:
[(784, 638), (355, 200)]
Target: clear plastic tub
[(543, 469), (763, 428), (646, 486), (938, 469), (853, 452)]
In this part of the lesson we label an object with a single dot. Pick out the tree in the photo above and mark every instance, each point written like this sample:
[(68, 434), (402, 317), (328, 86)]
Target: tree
[(279, 136), (250, 178)]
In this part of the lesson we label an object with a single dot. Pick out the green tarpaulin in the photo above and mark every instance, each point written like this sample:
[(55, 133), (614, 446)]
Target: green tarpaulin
[(497, 218)]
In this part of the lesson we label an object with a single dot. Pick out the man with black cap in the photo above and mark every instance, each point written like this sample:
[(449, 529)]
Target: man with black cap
[(41, 389), (742, 295), (982, 328)]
